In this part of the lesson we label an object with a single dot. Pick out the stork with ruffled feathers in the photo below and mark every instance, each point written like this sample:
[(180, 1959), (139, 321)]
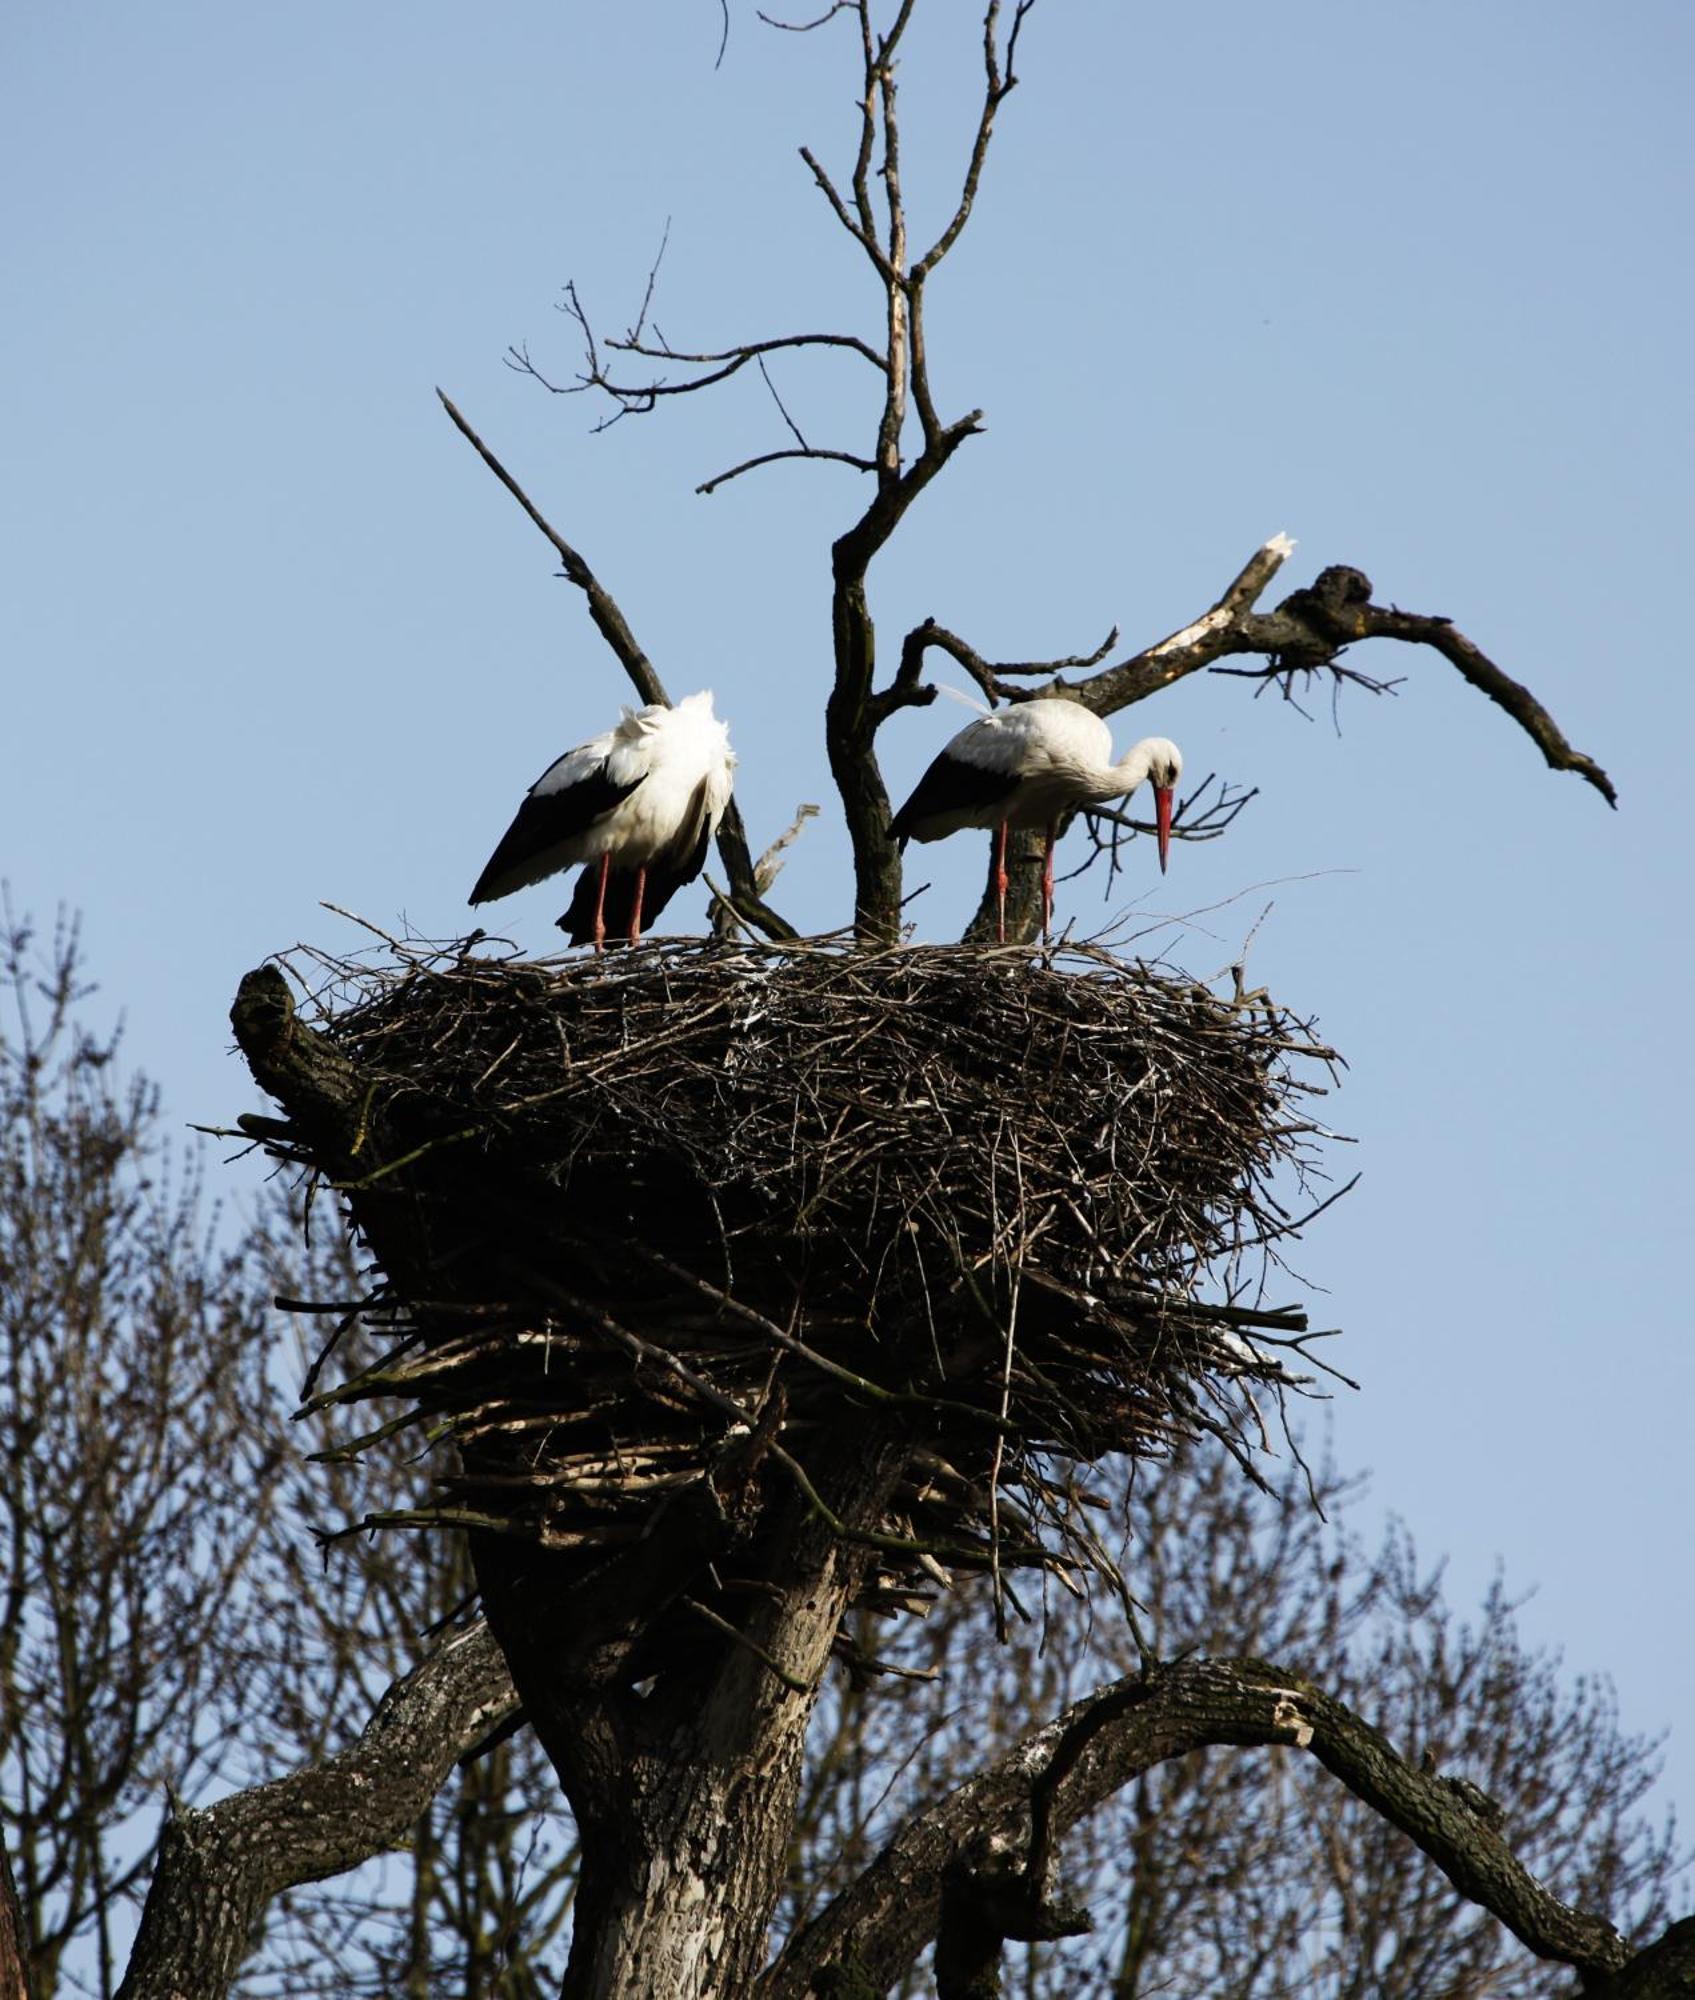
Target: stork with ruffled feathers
[(1033, 765), (639, 803)]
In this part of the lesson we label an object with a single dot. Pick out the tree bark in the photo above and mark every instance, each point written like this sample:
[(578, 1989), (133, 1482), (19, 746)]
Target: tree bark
[(14, 1944), (1021, 1804), (220, 1868), (1664, 1971), (685, 1793), (678, 1884)]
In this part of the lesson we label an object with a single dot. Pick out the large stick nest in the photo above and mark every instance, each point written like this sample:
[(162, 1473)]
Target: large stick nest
[(684, 1205)]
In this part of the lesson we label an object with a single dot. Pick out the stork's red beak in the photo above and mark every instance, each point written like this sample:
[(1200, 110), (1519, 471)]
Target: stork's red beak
[(1162, 807)]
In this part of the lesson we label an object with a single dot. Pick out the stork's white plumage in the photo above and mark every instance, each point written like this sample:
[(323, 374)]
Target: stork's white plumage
[(1034, 764), (641, 801)]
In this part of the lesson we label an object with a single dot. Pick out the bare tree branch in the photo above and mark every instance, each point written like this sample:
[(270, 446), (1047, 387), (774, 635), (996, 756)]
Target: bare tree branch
[(782, 407), (1386, 622), (1214, 633), (881, 89), (1307, 632), (806, 27), (1056, 1775), (906, 691), (861, 233), (637, 398), (635, 332), (221, 1867), (771, 458), (609, 620), (1000, 82)]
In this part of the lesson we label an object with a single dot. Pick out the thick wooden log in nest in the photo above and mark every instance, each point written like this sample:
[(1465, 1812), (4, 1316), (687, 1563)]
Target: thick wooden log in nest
[(652, 1222)]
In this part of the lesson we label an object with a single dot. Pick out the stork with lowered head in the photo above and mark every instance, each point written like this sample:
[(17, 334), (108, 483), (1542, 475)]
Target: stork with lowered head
[(1033, 765)]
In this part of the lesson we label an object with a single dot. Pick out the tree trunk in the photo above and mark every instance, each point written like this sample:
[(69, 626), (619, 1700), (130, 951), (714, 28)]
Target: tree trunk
[(14, 1951), (684, 1783), (675, 1901)]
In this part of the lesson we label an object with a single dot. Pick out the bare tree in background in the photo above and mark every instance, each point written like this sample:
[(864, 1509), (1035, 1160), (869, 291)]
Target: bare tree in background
[(170, 1621), (474, 1898), (135, 1485)]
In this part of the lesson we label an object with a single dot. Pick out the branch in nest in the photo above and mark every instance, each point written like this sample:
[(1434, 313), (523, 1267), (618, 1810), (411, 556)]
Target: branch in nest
[(1196, 817)]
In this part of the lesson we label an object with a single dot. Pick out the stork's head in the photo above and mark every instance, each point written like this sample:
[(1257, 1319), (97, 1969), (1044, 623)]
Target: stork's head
[(1165, 767)]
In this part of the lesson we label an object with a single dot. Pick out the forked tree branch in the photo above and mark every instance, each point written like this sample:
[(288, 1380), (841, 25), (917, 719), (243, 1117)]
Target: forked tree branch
[(1004, 1823), (1000, 82), (861, 227), (614, 628), (639, 397), (907, 690), (1306, 634)]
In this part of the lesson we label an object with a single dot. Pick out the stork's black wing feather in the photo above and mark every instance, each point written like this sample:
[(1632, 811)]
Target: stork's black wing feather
[(952, 784), (547, 820)]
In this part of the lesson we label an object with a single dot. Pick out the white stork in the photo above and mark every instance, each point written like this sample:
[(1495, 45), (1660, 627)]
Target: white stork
[(642, 800), (1034, 764)]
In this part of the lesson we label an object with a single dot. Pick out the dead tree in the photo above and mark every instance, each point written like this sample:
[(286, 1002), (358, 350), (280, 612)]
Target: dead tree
[(133, 1486), (748, 1287), (1306, 634)]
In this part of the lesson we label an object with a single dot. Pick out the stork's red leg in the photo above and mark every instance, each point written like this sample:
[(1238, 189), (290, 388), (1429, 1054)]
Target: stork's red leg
[(1000, 884), (600, 901), (1047, 880), (636, 906)]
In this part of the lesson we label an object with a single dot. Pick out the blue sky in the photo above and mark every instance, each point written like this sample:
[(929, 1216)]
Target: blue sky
[(1411, 284)]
